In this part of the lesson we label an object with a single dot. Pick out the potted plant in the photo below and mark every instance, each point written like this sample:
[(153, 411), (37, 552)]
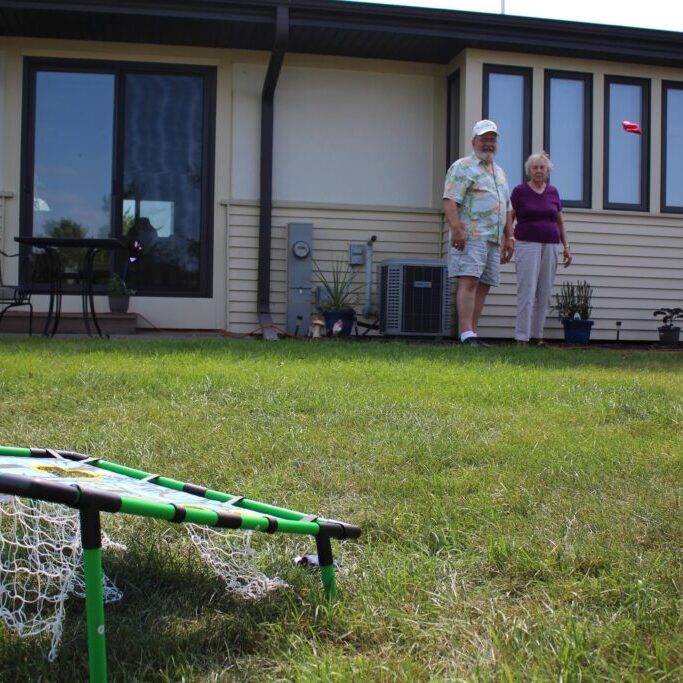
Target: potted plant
[(338, 297), (119, 294), (573, 305), (669, 333)]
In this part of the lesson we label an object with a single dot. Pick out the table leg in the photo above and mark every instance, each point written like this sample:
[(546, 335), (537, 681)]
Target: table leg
[(88, 292), (55, 305)]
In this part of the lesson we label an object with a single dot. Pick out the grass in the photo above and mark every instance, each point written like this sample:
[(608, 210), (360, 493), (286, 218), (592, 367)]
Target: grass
[(521, 508)]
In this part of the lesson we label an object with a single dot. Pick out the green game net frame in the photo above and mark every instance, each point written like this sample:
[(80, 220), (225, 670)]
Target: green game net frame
[(93, 485)]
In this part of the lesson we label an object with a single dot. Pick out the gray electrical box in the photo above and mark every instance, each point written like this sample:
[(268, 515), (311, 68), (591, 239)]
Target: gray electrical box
[(356, 254), (299, 273)]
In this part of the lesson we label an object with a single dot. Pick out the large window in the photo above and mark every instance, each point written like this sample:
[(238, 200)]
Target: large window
[(124, 150), (626, 178), (672, 147), (507, 101), (568, 134)]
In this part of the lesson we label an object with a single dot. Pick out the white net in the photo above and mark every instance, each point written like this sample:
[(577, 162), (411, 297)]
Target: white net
[(40, 565), (232, 558)]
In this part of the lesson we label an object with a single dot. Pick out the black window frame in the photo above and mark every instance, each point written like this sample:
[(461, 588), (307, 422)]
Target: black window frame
[(527, 78), (550, 74), (645, 86), (664, 207), (119, 69), (453, 118)]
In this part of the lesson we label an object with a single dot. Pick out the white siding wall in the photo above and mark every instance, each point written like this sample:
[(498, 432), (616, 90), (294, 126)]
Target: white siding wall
[(633, 263), (340, 136), (400, 233)]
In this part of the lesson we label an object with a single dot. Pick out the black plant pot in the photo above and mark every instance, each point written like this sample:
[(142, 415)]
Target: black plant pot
[(577, 331), (669, 336), (118, 304)]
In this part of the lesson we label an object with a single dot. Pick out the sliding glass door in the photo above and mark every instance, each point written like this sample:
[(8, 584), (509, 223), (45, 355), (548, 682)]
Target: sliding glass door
[(127, 151)]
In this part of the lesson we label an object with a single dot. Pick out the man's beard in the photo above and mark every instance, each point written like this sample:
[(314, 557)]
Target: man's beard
[(485, 156)]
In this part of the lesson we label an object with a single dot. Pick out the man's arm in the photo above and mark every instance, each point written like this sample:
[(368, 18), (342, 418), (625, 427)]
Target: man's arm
[(457, 228)]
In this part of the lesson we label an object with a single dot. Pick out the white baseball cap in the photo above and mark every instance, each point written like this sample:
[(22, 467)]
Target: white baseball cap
[(485, 126)]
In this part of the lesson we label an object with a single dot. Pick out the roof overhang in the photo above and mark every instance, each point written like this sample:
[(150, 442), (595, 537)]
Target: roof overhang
[(332, 27)]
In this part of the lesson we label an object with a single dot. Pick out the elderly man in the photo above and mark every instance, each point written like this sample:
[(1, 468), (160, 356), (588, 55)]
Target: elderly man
[(476, 201)]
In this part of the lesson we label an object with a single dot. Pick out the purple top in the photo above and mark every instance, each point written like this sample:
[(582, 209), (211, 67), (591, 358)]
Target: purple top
[(536, 214)]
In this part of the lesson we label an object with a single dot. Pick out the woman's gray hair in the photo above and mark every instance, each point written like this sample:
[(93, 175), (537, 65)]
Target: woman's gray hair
[(536, 157)]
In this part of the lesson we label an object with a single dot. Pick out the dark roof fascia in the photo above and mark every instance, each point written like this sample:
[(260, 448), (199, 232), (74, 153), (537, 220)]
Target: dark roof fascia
[(335, 27), (501, 32)]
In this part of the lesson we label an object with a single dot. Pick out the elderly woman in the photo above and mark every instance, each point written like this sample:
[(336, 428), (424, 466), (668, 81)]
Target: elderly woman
[(540, 236)]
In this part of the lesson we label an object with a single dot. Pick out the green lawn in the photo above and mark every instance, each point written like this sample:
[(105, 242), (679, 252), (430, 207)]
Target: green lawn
[(522, 508)]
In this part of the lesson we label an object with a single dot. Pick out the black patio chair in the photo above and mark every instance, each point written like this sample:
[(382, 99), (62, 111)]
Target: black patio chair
[(13, 296)]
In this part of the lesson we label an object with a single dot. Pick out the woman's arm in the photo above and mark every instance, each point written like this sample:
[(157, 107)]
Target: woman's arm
[(566, 254)]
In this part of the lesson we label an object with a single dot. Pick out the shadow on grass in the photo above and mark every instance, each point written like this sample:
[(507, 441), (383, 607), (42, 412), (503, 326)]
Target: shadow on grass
[(175, 615)]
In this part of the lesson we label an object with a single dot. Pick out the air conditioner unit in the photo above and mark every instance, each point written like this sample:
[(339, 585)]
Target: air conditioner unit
[(415, 298)]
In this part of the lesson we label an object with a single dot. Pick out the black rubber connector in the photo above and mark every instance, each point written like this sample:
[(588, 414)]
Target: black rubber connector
[(228, 520), (180, 514), (195, 490), (99, 500)]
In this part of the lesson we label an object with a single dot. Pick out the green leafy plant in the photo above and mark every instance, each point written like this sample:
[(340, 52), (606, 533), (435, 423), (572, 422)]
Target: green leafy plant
[(116, 286), (574, 299), (339, 289)]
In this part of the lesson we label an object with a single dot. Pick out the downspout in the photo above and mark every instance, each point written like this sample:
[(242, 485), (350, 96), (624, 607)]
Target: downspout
[(266, 181)]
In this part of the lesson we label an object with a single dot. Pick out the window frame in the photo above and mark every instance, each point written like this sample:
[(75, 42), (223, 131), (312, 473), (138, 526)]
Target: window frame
[(119, 69), (587, 185), (664, 207), (644, 84), (453, 118), (527, 79)]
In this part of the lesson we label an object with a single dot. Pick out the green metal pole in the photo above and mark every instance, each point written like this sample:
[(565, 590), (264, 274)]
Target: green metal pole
[(326, 562), (91, 541)]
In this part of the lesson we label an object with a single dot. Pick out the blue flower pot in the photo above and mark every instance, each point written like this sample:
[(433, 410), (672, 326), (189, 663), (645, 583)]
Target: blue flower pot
[(346, 316), (577, 331)]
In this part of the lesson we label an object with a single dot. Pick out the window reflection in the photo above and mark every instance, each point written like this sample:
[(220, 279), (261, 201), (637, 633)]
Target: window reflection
[(507, 94), (453, 130), (567, 136), (624, 151), (138, 133), (72, 171), (672, 143), (162, 178)]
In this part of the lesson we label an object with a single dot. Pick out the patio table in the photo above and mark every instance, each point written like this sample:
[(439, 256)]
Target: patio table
[(52, 246)]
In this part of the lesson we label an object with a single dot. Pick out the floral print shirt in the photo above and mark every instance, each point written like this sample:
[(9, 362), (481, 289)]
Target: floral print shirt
[(483, 198)]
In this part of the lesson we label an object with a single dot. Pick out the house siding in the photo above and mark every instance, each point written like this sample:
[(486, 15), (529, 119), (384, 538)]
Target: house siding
[(400, 233), (632, 262)]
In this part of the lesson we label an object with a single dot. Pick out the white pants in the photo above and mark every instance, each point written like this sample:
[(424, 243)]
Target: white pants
[(535, 265)]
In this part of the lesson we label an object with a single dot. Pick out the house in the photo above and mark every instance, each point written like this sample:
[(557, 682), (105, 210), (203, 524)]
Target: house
[(224, 123)]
